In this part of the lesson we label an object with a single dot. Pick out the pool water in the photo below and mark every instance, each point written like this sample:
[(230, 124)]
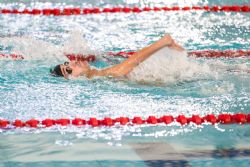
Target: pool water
[(28, 91)]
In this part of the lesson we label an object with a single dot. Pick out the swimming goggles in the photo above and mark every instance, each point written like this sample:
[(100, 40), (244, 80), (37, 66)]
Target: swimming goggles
[(68, 69)]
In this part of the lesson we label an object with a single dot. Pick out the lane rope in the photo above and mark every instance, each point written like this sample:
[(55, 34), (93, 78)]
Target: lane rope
[(198, 54), (11, 56), (96, 10), (237, 118)]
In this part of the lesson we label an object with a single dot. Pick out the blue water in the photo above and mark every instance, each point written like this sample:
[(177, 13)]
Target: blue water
[(28, 91)]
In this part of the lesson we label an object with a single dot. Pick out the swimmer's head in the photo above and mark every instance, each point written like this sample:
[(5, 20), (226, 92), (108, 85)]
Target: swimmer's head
[(56, 72), (73, 69)]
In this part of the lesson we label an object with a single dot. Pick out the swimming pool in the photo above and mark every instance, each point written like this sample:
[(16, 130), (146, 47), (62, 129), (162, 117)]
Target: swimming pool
[(28, 91)]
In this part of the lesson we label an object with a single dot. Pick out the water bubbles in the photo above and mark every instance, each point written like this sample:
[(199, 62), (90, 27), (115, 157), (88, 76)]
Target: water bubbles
[(168, 66), (218, 128), (63, 143)]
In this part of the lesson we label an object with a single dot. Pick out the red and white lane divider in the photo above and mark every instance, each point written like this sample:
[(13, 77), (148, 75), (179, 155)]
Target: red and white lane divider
[(84, 11), (220, 54), (238, 118), (11, 56), (204, 53)]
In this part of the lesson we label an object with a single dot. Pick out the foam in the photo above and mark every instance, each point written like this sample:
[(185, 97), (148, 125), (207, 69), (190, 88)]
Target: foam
[(169, 66), (32, 49), (75, 44), (218, 65)]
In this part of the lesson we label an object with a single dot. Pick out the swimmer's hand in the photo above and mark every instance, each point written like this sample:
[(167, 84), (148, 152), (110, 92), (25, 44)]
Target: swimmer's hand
[(168, 41)]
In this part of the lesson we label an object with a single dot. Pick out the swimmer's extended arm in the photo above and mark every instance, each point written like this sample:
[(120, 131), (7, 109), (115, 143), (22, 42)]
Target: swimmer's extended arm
[(125, 67)]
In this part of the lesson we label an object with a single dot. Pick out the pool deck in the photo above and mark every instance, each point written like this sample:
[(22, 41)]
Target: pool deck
[(49, 148)]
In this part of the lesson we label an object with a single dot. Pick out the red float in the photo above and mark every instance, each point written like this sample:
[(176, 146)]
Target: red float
[(240, 118), (47, 11), (152, 120), (225, 8), (14, 11), (136, 10), (18, 123), (63, 122), (122, 120), (167, 119), (106, 10), (48, 122), (245, 8), (248, 118), (95, 10), (26, 11), (56, 12), (36, 12), (156, 9), (196, 8), (214, 8), (4, 123), (126, 10), (146, 9), (186, 8), (137, 120), (175, 8), (210, 118), (5, 11), (116, 10), (32, 123), (93, 122), (225, 118), (66, 11), (196, 119), (107, 122), (78, 122), (235, 8), (76, 11), (86, 11), (166, 8), (181, 119), (207, 8)]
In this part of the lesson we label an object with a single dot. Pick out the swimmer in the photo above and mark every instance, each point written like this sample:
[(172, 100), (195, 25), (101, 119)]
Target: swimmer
[(76, 69)]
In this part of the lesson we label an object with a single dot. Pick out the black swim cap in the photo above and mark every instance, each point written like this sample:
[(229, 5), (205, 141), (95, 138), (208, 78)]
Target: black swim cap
[(56, 72)]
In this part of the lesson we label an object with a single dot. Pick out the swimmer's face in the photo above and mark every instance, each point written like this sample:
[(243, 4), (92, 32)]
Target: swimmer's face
[(74, 68)]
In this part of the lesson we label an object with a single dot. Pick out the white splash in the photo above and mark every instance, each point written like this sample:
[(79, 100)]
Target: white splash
[(31, 48), (217, 65), (77, 45), (169, 66)]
